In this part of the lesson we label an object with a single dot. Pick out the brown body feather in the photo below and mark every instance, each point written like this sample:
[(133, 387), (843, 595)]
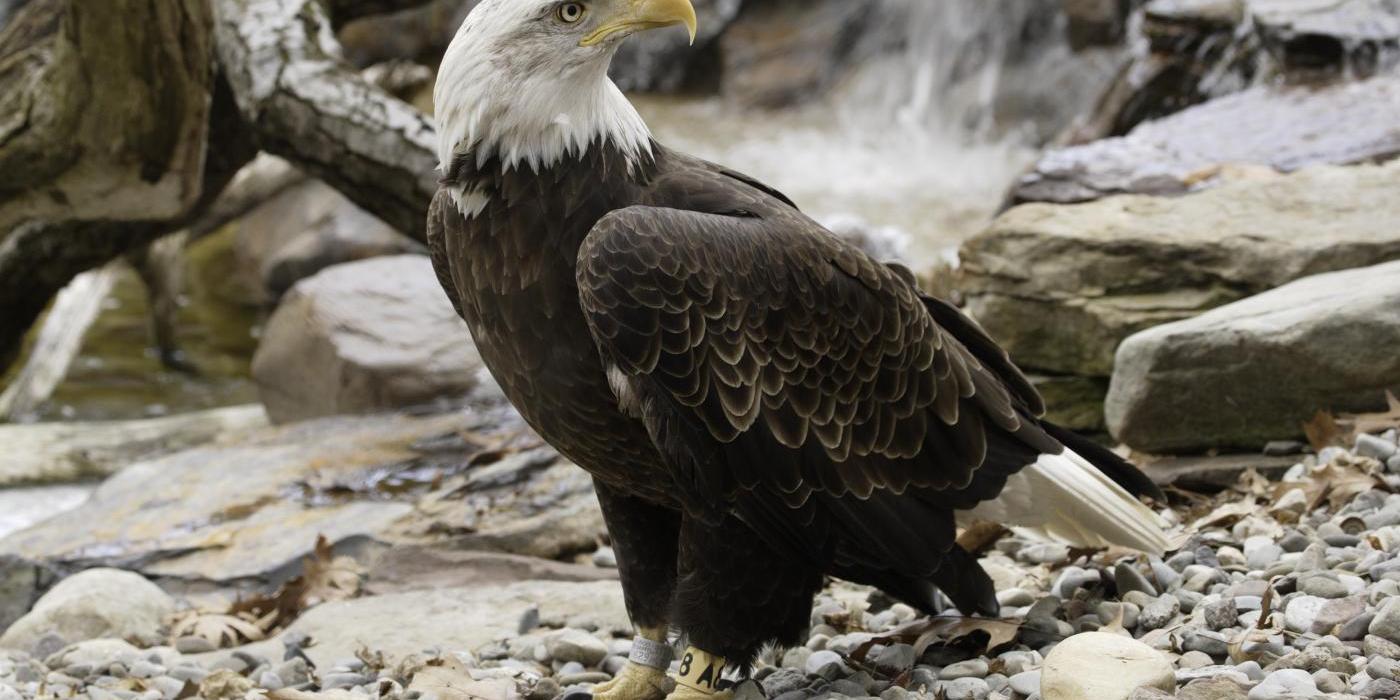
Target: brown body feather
[(785, 390)]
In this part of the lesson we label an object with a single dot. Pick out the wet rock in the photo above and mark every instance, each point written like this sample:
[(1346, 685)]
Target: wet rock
[(666, 61), (303, 230), (778, 54), (252, 508), (1061, 286), (21, 583), (1354, 38), (1101, 665), (1241, 135), (93, 604), (54, 452), (362, 337), (1275, 353)]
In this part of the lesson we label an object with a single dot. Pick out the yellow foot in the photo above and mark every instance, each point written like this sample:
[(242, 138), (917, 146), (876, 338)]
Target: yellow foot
[(700, 674), (635, 682)]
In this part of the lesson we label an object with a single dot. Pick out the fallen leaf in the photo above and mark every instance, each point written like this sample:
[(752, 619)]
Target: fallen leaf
[(325, 577), (1226, 514), (1323, 431), (220, 629), (981, 536), (924, 633)]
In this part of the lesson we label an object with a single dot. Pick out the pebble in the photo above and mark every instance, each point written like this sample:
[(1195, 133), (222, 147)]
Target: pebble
[(1381, 688), (1386, 625), (605, 557), (973, 668), (576, 645), (826, 664), (1126, 577), (1221, 614), (333, 681), (1302, 611), (1159, 613), (194, 645), (966, 689), (899, 657), (1195, 659), (1285, 684), (1375, 447), (1026, 682)]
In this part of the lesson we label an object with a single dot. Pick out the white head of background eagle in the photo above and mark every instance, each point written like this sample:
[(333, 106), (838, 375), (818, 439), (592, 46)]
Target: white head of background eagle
[(527, 80)]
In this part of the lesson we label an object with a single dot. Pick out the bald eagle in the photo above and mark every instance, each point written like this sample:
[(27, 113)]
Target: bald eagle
[(760, 403)]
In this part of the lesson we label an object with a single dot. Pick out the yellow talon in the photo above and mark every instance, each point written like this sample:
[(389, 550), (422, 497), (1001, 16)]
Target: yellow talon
[(635, 682)]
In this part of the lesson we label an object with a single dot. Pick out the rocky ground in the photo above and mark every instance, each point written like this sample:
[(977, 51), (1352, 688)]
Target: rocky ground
[(1282, 589)]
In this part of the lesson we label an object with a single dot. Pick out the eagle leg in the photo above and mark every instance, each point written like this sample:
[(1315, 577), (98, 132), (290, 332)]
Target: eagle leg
[(737, 593), (639, 680)]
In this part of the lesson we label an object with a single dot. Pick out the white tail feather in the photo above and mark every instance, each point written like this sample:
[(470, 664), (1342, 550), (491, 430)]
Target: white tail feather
[(1068, 499)]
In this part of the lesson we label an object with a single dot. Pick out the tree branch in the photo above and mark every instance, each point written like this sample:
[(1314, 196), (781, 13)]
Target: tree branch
[(322, 116)]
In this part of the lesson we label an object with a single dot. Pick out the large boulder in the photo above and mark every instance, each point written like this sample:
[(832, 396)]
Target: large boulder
[(94, 604), (304, 230), (1283, 128), (777, 54), (21, 582), (1256, 370), (1061, 286), (363, 337)]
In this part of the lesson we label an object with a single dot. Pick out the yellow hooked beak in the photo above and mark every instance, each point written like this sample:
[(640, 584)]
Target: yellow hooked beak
[(639, 15)]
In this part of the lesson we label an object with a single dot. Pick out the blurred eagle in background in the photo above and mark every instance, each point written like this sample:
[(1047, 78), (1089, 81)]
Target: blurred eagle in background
[(760, 403)]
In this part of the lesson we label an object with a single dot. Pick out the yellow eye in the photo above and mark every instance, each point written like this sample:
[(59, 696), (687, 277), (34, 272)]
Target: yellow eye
[(570, 12)]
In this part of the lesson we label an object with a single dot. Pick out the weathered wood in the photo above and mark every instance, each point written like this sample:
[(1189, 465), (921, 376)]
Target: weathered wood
[(61, 452), (58, 343), (104, 109), (321, 115)]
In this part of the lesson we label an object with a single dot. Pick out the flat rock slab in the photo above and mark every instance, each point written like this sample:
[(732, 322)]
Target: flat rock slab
[(1256, 370), (251, 510), (1283, 128), (1061, 286), (58, 452), (451, 619)]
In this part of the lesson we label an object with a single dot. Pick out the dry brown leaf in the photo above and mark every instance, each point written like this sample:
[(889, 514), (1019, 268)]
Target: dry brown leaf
[(926, 632), (1323, 431), (220, 629), (1226, 513), (325, 577), (981, 536)]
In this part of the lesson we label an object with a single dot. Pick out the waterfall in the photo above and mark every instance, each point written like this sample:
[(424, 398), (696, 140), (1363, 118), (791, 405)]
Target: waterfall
[(976, 70)]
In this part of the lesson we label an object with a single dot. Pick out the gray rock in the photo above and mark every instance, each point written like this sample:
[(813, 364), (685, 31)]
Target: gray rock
[(364, 337), (1266, 127), (1392, 465), (1261, 552), (1336, 614), (1302, 612), (301, 231), (820, 663), (972, 668), (21, 583), (1159, 613), (966, 689), (899, 657), (1221, 614), (93, 604), (1375, 447), (1127, 578), (1387, 622), (1379, 646), (1284, 684), (1175, 368), (784, 680), (661, 61), (1323, 585), (576, 645), (1026, 682), (1218, 688), (1381, 688)]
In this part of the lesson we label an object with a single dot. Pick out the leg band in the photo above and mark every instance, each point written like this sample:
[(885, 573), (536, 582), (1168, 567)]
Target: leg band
[(700, 671), (651, 653)]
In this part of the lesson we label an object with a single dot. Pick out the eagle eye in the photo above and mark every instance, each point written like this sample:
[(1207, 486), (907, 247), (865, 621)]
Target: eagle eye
[(570, 12)]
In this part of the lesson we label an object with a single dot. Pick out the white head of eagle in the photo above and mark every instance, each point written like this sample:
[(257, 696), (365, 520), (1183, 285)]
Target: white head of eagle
[(526, 81)]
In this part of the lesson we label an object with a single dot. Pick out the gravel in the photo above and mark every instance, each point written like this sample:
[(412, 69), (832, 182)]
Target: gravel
[(1330, 574)]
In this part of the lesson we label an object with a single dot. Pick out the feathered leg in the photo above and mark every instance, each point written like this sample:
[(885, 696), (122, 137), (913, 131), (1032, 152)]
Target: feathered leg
[(645, 538), (735, 594)]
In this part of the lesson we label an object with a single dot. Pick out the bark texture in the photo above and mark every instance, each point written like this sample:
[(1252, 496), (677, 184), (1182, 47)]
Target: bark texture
[(308, 107)]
